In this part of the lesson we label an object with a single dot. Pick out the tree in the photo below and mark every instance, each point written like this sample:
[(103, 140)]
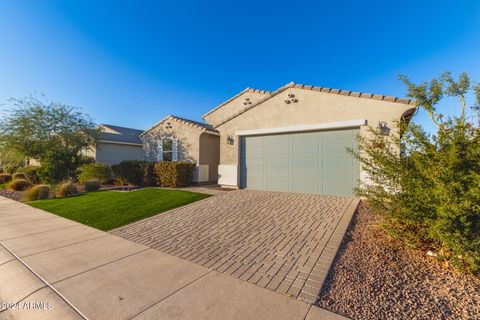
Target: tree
[(430, 197), (51, 132)]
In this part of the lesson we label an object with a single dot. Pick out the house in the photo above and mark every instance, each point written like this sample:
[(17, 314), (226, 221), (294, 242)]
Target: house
[(116, 144), (178, 139), (296, 139)]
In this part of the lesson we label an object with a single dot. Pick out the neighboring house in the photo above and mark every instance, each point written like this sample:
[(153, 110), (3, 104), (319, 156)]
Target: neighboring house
[(296, 138), (116, 144), (179, 139)]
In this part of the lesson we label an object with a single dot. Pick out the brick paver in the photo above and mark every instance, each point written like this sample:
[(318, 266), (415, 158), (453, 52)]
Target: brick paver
[(284, 242)]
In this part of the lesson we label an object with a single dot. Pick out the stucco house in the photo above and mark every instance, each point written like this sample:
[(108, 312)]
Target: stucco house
[(116, 144), (179, 139), (295, 139)]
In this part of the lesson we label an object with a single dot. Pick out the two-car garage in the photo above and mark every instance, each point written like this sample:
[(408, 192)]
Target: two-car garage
[(309, 162)]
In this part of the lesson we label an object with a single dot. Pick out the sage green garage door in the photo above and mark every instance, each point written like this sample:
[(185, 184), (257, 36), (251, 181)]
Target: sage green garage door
[(312, 162)]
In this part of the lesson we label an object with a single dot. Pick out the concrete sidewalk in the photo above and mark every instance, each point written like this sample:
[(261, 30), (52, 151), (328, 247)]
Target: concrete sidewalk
[(53, 268)]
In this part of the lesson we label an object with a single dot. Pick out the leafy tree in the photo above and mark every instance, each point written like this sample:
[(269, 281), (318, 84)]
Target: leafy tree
[(53, 133), (430, 197)]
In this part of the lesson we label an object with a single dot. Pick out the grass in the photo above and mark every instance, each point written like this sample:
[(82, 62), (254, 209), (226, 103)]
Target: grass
[(106, 210)]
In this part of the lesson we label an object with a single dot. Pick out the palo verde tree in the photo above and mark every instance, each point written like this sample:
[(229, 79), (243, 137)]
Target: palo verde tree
[(52, 133), (430, 196)]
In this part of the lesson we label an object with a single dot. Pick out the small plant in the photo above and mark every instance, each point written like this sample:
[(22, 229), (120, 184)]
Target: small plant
[(39, 192), (92, 185), (30, 173), (19, 185), (5, 177), (95, 171), (19, 175), (67, 188)]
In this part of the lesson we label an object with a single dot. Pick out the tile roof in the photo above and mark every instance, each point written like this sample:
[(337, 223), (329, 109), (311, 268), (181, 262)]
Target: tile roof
[(324, 90), (119, 134), (265, 92), (193, 123)]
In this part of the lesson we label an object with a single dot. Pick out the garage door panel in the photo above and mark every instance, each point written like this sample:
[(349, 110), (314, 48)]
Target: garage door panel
[(313, 162)]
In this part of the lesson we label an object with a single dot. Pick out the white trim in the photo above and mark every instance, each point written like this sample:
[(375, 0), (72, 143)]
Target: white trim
[(307, 127), (117, 142)]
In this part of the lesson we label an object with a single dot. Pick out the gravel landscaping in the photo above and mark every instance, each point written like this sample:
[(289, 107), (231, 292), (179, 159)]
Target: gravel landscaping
[(374, 278), (14, 195)]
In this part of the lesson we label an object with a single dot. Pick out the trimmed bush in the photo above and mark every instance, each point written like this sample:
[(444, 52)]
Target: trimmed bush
[(19, 185), (174, 174), (19, 176), (135, 172), (92, 185), (5, 177), (30, 174), (95, 171), (66, 189), (39, 192)]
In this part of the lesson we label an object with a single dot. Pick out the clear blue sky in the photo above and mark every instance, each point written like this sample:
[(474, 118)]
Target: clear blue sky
[(131, 63)]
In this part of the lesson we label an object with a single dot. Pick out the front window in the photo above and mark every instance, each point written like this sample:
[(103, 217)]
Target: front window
[(167, 150)]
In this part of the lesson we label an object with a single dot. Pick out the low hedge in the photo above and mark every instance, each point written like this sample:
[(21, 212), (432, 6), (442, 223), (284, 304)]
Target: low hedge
[(174, 174), (95, 171), (135, 172), (5, 177), (39, 192), (30, 173), (19, 185)]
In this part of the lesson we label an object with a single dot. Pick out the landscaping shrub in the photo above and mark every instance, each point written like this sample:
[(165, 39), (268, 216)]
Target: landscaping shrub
[(67, 188), (135, 172), (19, 175), (430, 197), (19, 185), (38, 192), (92, 185), (5, 177), (174, 174), (30, 173), (95, 171)]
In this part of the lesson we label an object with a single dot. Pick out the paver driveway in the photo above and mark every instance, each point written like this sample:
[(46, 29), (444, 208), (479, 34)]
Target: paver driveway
[(284, 242)]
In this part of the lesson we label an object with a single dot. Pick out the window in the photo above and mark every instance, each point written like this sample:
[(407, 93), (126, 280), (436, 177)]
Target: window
[(167, 150)]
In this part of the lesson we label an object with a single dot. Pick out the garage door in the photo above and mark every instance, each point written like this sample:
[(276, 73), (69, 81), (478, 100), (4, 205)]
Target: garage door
[(311, 162)]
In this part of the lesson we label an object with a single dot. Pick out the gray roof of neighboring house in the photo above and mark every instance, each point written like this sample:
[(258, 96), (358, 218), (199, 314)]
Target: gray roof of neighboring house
[(120, 134)]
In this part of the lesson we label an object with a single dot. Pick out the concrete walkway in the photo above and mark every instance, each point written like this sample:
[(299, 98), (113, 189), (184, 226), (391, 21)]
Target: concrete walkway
[(53, 268)]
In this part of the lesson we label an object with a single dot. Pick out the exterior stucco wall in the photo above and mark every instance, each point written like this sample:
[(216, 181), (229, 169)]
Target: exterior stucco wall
[(313, 107), (188, 138), (234, 106), (210, 154), (111, 153)]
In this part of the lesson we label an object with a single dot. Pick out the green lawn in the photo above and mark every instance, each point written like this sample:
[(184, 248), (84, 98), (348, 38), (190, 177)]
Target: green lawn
[(106, 210)]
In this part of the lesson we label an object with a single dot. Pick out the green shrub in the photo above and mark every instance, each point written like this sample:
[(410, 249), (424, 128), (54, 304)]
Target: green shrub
[(30, 173), (92, 185), (5, 177), (174, 174), (129, 171), (19, 175), (430, 196), (95, 171), (19, 185), (38, 192), (135, 172), (66, 188)]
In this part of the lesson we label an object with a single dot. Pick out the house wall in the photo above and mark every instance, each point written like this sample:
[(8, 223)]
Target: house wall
[(111, 153), (188, 139), (312, 108), (210, 154), (234, 106)]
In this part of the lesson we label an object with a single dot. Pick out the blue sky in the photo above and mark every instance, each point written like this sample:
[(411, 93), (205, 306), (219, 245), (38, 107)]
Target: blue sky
[(131, 63)]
